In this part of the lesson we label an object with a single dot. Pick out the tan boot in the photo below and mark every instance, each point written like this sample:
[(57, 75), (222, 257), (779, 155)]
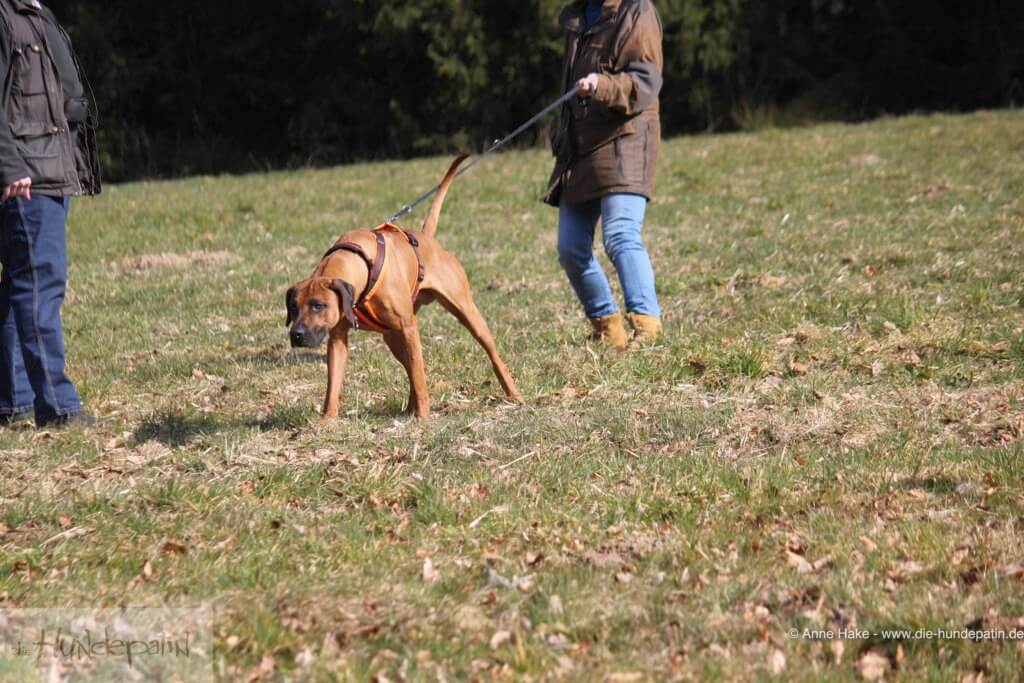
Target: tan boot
[(610, 331), (646, 329)]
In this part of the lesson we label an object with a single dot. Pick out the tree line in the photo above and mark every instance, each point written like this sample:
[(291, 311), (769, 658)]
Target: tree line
[(195, 86)]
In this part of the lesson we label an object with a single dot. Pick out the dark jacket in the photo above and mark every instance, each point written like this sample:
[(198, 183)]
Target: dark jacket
[(609, 143), (45, 129)]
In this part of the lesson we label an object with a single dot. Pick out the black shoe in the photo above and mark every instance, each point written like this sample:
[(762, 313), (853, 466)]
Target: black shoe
[(16, 420), (79, 419)]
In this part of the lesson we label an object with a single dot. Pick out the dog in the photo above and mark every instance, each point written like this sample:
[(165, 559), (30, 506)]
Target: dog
[(378, 279)]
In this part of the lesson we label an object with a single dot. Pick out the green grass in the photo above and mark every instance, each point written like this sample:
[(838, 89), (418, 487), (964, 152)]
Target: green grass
[(829, 436)]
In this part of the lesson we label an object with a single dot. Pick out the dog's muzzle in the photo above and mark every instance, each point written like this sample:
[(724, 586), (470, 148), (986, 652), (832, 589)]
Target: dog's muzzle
[(304, 338)]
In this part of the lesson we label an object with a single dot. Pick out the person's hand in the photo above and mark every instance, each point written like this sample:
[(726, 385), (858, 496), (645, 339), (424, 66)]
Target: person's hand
[(19, 188), (587, 86)]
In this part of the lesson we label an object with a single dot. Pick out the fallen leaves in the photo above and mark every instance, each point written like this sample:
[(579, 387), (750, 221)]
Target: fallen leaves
[(795, 557), (173, 547)]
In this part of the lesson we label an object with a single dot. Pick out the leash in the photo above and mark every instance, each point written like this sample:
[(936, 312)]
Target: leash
[(495, 146)]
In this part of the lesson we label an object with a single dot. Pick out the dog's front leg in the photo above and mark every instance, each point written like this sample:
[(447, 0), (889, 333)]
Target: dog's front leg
[(337, 362), (405, 345)]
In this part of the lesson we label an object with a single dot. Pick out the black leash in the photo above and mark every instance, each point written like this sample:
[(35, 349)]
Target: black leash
[(498, 144)]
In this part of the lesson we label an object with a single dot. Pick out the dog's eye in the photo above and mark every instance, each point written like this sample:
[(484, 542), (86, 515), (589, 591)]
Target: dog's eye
[(316, 306)]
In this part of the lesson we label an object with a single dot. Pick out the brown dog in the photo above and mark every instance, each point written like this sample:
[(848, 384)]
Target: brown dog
[(378, 279)]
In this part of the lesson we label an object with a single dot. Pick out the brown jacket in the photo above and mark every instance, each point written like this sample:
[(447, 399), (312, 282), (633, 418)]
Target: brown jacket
[(609, 143)]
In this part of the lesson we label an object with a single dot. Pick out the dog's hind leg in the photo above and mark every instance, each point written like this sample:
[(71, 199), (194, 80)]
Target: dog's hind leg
[(466, 312), (406, 347), (337, 362)]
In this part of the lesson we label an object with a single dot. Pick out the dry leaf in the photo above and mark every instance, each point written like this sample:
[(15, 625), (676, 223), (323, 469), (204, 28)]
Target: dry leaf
[(961, 554), (147, 571), (824, 563), (430, 575), (247, 488), (306, 658), (523, 583), (264, 670), (838, 648), (901, 571), (801, 565), (170, 546), (555, 605), (873, 666), (624, 677), (999, 347), (500, 638), (776, 662), (798, 368), (1014, 571)]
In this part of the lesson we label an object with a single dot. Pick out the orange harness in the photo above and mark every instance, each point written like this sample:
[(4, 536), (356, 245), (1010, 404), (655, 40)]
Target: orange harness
[(365, 316)]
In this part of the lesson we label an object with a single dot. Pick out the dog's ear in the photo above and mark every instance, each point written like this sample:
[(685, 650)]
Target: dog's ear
[(293, 306), (347, 298)]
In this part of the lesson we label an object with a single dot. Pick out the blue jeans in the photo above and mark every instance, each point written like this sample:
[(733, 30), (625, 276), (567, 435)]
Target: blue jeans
[(33, 251), (622, 218)]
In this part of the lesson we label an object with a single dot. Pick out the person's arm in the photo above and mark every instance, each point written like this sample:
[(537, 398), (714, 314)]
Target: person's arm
[(637, 82), (14, 174)]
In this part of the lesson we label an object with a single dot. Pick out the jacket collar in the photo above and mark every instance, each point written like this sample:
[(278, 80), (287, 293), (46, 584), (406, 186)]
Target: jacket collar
[(572, 19), (27, 5)]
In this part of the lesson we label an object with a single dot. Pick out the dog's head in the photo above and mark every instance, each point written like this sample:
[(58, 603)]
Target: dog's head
[(315, 307)]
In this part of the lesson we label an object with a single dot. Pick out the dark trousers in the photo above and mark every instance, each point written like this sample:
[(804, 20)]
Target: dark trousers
[(33, 252)]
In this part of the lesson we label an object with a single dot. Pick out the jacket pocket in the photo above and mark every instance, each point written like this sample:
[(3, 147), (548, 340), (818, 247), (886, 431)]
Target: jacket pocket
[(28, 100), (40, 148), (630, 157), (27, 70)]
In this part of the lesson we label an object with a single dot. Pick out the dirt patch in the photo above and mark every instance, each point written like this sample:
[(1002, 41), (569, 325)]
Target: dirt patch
[(172, 261), (865, 160)]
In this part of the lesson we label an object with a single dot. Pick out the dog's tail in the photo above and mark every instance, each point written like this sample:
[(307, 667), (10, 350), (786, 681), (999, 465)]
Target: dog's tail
[(430, 222)]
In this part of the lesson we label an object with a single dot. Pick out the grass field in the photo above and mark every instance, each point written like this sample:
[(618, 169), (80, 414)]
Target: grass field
[(829, 437)]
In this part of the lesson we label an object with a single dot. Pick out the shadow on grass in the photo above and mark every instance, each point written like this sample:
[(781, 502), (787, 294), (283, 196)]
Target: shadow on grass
[(302, 415), (180, 429), (287, 418), (290, 358), (937, 485), (176, 429)]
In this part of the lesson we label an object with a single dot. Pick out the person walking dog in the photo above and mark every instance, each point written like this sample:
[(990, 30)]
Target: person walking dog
[(606, 145), (47, 155)]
